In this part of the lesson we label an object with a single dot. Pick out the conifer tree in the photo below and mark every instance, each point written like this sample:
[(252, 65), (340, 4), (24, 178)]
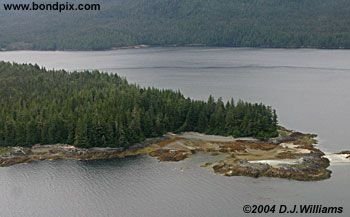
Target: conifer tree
[(94, 109)]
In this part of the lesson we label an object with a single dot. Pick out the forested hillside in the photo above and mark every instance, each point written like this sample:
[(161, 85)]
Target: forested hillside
[(248, 23), (92, 109)]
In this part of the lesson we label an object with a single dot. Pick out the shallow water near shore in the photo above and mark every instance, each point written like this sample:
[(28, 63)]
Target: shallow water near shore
[(309, 88)]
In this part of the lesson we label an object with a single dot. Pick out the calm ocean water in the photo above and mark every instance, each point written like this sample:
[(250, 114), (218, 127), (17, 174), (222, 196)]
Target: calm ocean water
[(309, 88)]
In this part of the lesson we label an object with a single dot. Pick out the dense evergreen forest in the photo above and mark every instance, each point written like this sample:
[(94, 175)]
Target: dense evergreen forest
[(240, 23), (94, 109)]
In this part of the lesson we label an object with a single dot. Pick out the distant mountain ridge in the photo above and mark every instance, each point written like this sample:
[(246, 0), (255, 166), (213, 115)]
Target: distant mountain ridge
[(237, 23)]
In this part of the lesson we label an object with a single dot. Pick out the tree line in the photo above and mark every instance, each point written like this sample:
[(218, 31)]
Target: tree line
[(95, 109)]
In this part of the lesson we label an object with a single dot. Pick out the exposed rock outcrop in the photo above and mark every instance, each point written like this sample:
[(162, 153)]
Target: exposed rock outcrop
[(170, 155)]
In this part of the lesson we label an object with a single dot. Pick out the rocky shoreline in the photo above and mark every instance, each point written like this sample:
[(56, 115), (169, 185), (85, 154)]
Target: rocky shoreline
[(15, 155), (292, 155)]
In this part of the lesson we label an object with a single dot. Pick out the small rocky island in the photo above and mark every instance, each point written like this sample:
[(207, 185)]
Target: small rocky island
[(292, 155)]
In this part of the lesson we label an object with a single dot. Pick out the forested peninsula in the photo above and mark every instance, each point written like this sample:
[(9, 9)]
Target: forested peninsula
[(96, 109), (91, 115), (232, 23)]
